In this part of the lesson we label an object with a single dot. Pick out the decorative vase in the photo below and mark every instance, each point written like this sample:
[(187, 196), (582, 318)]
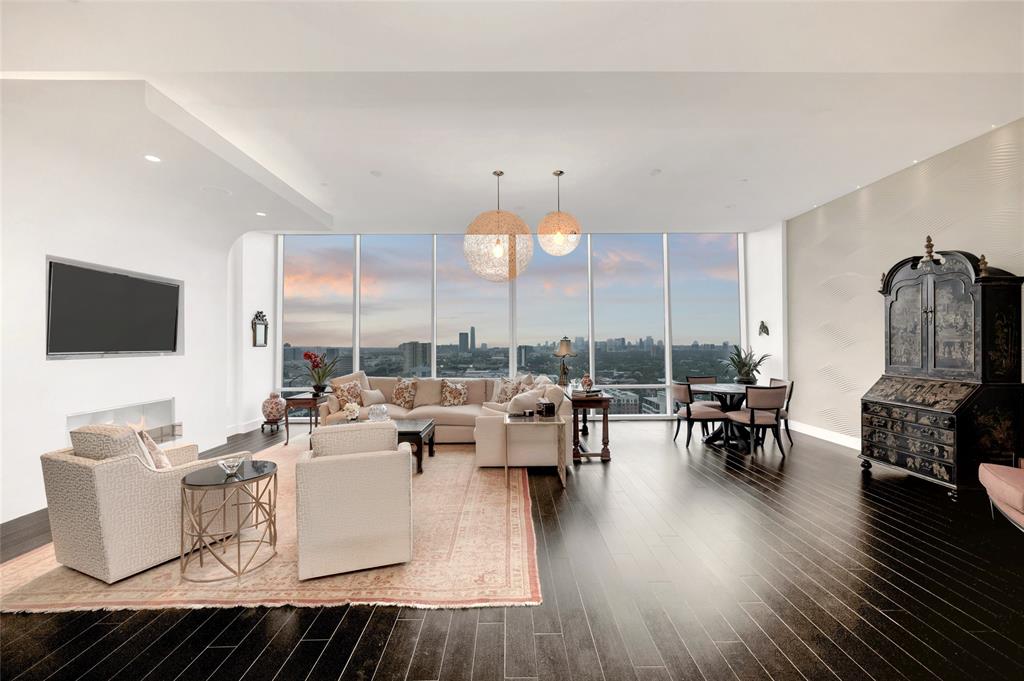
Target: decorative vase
[(587, 382), (319, 389), (378, 412), (273, 408), (746, 380)]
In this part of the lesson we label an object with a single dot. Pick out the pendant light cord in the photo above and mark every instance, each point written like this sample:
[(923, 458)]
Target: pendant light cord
[(558, 191)]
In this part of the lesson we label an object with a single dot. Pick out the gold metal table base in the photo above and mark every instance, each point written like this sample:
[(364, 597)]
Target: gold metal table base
[(205, 530)]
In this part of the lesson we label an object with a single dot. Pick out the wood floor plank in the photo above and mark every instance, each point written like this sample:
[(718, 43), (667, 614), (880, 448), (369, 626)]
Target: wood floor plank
[(394, 663), (338, 650), (489, 661), (370, 647), (426, 660), (105, 667), (457, 664), (518, 646), (279, 649), (552, 663)]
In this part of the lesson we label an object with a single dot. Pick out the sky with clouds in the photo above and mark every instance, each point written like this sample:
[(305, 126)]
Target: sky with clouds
[(551, 294)]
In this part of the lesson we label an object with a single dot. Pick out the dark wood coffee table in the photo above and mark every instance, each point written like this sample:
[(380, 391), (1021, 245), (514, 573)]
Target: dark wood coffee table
[(417, 432)]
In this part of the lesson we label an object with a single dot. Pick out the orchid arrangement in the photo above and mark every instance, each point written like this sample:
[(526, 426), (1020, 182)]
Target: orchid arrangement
[(319, 368)]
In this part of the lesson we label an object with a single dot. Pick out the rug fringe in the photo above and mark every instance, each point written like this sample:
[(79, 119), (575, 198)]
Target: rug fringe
[(275, 604)]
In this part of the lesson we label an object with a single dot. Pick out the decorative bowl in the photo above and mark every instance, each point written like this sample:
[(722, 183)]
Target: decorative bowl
[(231, 465), (378, 412)]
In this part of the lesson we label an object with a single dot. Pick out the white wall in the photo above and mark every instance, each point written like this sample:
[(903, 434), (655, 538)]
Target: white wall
[(968, 198), (252, 284), (765, 284), (75, 185)]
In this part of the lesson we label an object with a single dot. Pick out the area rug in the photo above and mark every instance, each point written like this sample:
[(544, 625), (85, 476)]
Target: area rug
[(473, 546)]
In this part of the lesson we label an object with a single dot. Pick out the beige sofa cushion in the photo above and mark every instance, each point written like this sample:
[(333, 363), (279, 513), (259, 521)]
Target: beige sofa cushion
[(106, 441), (428, 391), (464, 415), (385, 384), (371, 397), (360, 376), (476, 390), (524, 401)]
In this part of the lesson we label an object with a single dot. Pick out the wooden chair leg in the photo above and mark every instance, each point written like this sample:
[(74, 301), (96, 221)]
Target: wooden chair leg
[(788, 435), (679, 422), (778, 439), (689, 432), (753, 438)]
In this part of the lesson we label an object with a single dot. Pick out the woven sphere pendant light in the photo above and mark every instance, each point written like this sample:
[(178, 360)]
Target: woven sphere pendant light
[(498, 245), (559, 232)]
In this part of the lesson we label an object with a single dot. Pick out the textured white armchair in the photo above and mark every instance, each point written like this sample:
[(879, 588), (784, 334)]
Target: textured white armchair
[(113, 517), (528, 446), (353, 499)]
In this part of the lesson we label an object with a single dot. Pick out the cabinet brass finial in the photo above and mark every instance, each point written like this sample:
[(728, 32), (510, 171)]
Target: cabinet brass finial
[(983, 266), (929, 247)]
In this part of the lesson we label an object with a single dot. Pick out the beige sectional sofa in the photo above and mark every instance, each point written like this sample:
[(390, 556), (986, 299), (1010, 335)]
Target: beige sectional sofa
[(452, 424)]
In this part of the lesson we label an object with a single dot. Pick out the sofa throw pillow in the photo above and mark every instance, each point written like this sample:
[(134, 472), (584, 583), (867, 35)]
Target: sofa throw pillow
[(372, 397), (428, 391), (360, 376), (504, 390), (453, 394), (405, 393), (525, 400), (157, 455), (349, 392)]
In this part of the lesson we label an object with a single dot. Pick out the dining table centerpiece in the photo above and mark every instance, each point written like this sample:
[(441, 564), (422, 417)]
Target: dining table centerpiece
[(745, 363)]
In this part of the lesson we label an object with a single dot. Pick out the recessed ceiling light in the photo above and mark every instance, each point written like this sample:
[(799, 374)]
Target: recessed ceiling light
[(815, 205), (993, 125), (655, 171), (376, 173), (151, 158), (915, 160), (858, 186), (260, 214)]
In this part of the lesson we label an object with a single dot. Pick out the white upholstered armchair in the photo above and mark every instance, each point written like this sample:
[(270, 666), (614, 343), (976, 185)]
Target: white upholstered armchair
[(353, 499), (111, 515)]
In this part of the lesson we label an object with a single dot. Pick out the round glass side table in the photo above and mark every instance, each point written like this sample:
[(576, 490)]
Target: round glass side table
[(230, 520)]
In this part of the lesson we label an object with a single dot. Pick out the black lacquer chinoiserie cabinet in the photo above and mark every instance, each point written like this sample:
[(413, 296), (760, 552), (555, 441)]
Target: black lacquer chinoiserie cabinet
[(951, 396)]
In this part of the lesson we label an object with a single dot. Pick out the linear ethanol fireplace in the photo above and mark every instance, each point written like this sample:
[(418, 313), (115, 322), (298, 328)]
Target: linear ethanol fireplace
[(156, 418)]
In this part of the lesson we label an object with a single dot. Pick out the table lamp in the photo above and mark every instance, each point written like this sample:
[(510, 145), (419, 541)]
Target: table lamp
[(564, 350)]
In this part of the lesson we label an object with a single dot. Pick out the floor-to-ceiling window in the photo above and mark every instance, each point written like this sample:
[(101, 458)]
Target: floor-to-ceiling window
[(551, 303), (395, 275), (637, 324), (629, 319), (705, 283), (472, 317), (317, 303)]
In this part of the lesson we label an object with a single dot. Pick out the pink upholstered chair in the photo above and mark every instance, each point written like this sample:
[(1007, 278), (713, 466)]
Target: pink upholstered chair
[(703, 380), (784, 412), (761, 414), (693, 412), (1005, 487)]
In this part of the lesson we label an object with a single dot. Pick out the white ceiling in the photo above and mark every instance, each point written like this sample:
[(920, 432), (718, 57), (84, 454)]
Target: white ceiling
[(391, 116)]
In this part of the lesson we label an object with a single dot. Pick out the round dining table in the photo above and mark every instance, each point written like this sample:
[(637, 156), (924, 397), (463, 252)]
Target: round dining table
[(730, 396)]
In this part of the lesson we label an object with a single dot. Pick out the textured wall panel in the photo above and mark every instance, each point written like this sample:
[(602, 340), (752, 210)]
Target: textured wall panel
[(969, 198)]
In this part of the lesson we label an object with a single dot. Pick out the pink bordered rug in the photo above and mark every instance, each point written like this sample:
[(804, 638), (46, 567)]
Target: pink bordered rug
[(473, 546)]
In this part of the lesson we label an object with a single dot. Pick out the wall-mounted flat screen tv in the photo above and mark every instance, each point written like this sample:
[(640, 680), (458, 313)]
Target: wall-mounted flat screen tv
[(95, 311)]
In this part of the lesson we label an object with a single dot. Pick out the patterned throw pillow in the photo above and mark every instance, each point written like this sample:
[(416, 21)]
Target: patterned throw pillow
[(453, 394), (160, 460), (505, 390), (349, 392), (404, 394)]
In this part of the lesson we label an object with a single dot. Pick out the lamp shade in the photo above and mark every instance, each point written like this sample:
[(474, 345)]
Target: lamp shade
[(498, 245), (558, 233), (564, 348)]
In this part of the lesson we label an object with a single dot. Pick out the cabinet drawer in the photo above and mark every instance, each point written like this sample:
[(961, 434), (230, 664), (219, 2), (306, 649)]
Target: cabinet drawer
[(882, 423), (930, 468), (909, 445), (936, 420), (889, 411), (929, 433)]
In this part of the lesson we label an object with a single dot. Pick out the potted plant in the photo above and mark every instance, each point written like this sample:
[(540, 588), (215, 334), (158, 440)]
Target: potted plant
[(745, 363), (320, 369)]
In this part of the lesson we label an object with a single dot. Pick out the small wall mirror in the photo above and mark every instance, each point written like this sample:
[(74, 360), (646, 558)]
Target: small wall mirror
[(259, 329)]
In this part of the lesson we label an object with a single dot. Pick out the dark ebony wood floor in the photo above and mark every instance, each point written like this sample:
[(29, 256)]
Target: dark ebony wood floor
[(663, 564)]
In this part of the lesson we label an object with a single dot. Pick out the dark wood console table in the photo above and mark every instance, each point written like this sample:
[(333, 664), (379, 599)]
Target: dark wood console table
[(303, 401), (602, 402)]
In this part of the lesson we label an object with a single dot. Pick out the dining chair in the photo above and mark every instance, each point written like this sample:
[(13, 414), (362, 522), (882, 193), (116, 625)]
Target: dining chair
[(764, 404), (692, 412), (784, 412), (703, 380)]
